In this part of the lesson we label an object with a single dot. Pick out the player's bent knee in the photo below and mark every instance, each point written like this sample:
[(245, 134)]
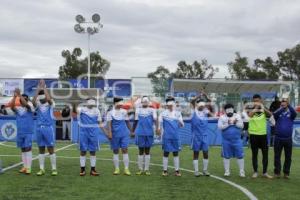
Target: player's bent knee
[(147, 151), (205, 156), (125, 151), (141, 151), (50, 150), (116, 151), (42, 150), (27, 149)]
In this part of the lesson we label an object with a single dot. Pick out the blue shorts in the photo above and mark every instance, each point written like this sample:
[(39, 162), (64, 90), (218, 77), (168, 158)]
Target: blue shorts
[(119, 142), (232, 149), (200, 143), (88, 142), (171, 145), (24, 140), (143, 141), (45, 136)]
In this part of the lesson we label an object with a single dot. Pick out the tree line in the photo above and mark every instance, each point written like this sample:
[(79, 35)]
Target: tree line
[(286, 66)]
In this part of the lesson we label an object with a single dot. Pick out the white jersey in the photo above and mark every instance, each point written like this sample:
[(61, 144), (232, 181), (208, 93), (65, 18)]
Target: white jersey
[(117, 114), (225, 121), (145, 112), (245, 116)]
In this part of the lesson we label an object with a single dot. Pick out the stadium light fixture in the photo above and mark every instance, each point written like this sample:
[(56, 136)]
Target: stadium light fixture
[(89, 27), (80, 19), (96, 18), (78, 28)]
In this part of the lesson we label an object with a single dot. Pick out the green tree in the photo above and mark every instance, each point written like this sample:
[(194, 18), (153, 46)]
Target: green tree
[(266, 69), (289, 63), (199, 70), (269, 67), (160, 80), (75, 66), (239, 67)]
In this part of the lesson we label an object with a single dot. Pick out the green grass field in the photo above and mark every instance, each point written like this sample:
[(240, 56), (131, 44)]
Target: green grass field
[(69, 185)]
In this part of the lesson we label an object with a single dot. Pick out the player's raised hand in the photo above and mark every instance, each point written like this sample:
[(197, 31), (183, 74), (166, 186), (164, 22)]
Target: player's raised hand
[(42, 84), (17, 92)]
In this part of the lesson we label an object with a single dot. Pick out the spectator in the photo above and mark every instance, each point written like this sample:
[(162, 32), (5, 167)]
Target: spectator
[(284, 118), (66, 121), (245, 119), (3, 111)]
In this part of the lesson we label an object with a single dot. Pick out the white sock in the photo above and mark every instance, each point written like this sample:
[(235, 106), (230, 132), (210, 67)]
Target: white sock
[(241, 164), (82, 161), (28, 160), (147, 162), (226, 165), (93, 161), (140, 162), (126, 160), (116, 160), (42, 161), (24, 159), (196, 165), (165, 163), (176, 162), (205, 164), (53, 161)]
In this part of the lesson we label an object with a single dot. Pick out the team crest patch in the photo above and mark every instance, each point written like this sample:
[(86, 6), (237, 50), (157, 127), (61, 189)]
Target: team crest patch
[(9, 131), (296, 136)]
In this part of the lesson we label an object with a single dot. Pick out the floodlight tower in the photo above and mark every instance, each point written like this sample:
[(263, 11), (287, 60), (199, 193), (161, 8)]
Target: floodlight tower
[(91, 28)]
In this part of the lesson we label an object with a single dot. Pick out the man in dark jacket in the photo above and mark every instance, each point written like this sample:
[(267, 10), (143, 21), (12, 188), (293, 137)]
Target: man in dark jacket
[(66, 114), (284, 118), (275, 105)]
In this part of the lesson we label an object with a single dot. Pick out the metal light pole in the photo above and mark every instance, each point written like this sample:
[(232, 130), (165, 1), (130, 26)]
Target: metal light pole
[(89, 27)]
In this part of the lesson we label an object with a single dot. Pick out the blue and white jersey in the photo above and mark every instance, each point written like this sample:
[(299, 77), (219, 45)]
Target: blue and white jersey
[(146, 118), (89, 119), (199, 123), (44, 113), (118, 118), (231, 131), (24, 119), (171, 121)]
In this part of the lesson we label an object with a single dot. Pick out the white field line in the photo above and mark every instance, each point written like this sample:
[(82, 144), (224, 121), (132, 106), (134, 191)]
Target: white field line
[(244, 190), (20, 163), (36, 148)]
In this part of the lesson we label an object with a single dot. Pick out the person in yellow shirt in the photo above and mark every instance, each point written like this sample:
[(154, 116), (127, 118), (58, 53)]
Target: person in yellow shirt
[(258, 134)]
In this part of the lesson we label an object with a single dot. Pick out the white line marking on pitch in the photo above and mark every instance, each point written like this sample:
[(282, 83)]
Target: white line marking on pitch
[(20, 163), (241, 188), (36, 148), (249, 194)]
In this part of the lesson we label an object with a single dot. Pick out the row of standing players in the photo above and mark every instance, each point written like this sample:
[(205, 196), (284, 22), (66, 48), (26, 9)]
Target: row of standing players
[(119, 130)]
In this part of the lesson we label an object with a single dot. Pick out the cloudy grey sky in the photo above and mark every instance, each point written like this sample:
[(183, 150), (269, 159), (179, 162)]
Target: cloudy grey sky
[(139, 35)]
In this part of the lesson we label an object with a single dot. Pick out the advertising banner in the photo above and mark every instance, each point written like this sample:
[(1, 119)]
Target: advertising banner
[(7, 86), (30, 85)]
